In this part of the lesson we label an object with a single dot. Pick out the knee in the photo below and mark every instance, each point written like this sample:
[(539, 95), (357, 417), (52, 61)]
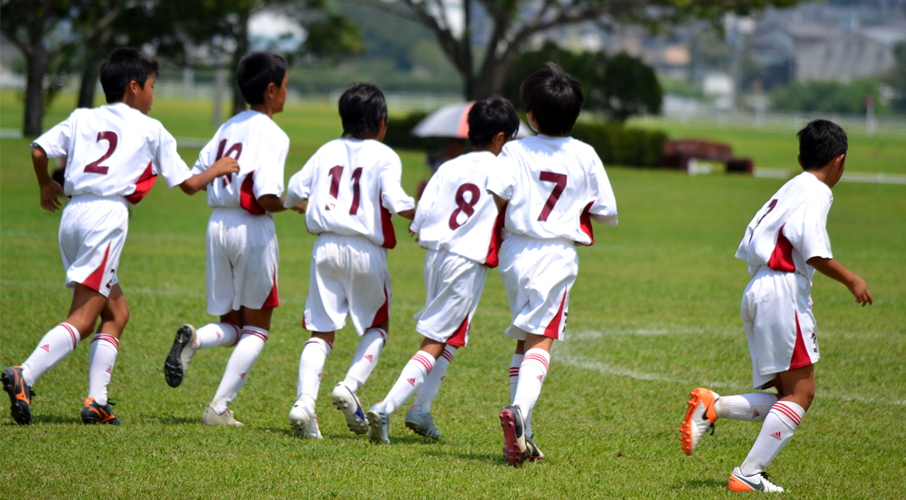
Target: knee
[(118, 316)]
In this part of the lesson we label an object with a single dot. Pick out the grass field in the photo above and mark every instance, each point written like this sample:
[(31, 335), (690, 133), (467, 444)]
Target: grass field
[(653, 315)]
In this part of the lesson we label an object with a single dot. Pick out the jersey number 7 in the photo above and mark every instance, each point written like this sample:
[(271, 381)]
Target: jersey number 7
[(560, 181)]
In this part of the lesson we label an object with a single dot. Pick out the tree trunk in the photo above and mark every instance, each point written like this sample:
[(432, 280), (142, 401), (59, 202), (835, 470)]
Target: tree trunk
[(34, 90), (242, 47), (89, 83)]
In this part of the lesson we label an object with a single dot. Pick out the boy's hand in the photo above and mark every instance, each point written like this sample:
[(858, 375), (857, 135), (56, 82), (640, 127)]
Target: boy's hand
[(50, 193), (300, 208), (859, 290), (225, 166)]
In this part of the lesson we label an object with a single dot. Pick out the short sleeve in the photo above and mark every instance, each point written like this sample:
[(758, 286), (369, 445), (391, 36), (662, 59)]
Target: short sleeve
[(205, 157), (604, 204), (807, 231), (502, 180), (56, 141), (299, 188), (393, 197), (269, 176), (167, 162), (426, 203)]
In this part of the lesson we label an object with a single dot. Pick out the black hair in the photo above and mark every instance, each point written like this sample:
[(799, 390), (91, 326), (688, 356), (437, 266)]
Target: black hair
[(362, 107), (123, 66), (490, 117), (554, 99), (820, 142), (256, 71)]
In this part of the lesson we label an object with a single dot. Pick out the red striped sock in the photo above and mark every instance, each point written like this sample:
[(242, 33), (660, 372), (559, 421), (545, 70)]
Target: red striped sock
[(411, 378), (778, 428)]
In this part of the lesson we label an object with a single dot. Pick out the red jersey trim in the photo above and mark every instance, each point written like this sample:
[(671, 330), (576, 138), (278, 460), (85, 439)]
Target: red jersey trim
[(585, 224), (782, 257), (273, 300), (383, 313), (800, 356), (386, 225), (492, 260), (94, 280), (142, 186), (458, 339), (247, 198), (553, 329)]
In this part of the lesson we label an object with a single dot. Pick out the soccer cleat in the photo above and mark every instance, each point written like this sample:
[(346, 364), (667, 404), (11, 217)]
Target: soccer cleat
[(534, 453), (93, 413), (515, 450), (20, 394), (184, 347), (211, 417), (304, 421), (699, 418), (421, 422), (347, 402), (756, 482), (379, 423)]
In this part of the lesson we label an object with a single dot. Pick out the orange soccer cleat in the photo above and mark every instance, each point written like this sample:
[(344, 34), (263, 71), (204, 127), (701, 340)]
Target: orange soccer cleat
[(699, 418)]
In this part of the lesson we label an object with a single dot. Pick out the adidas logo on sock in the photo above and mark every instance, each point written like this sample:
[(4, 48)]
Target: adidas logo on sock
[(109, 370), (242, 375), (540, 378), (755, 413), (319, 376), (411, 381), (46, 347), (776, 435), (218, 335), (369, 358)]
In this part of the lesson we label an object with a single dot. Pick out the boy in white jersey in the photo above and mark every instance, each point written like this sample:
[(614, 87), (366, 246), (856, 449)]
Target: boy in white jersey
[(351, 186), (241, 243), (457, 222), (115, 154), (551, 188), (783, 245)]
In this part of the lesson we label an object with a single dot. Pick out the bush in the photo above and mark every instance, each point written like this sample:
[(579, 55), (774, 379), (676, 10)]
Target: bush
[(826, 97), (399, 134), (620, 145)]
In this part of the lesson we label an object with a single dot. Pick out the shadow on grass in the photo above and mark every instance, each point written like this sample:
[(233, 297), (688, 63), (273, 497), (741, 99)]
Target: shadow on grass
[(493, 458), (700, 483), (47, 419)]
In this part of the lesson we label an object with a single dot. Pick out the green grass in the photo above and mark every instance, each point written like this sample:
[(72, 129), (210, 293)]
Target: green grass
[(654, 314)]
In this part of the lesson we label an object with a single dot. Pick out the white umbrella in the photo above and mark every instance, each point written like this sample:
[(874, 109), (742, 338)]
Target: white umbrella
[(452, 121)]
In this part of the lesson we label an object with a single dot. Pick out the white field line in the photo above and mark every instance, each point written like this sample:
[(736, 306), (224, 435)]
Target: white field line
[(862, 177), (564, 355)]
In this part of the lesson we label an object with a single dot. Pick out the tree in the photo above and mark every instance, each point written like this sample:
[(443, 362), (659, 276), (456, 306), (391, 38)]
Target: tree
[(619, 86), (514, 22), (42, 30), (897, 78)]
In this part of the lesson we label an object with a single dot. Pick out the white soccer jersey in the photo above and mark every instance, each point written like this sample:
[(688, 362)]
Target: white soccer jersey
[(554, 186), (114, 150), (352, 186), (790, 229), (260, 147), (456, 213)]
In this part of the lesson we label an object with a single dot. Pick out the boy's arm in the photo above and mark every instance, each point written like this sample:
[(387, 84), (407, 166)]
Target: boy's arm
[(834, 270), (224, 166), (500, 202), (272, 202), (50, 189)]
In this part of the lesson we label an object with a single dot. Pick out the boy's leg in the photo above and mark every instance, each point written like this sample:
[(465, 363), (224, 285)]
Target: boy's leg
[(706, 406), (532, 373), (102, 357), (366, 356), (428, 391), (253, 336), (302, 417)]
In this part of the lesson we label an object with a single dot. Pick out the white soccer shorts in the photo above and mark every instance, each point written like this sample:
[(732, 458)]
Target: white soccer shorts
[(780, 327), (92, 234), (349, 276), (538, 275), (242, 258), (453, 284)]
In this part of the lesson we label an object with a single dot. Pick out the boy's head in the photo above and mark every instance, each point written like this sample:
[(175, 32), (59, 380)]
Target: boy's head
[(256, 72), (489, 118), (553, 98), (124, 66), (363, 111), (821, 142)]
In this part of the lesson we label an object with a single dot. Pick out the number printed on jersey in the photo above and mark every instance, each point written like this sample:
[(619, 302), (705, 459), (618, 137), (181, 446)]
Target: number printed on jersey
[(465, 208), (235, 148), (95, 167), (336, 176)]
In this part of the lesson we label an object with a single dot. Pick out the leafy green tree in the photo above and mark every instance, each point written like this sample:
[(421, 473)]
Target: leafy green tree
[(897, 78), (826, 97)]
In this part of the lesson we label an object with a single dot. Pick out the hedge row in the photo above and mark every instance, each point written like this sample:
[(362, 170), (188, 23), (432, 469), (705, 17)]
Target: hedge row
[(615, 144)]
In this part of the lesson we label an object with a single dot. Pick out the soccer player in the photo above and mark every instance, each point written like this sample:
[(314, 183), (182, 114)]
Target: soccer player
[(241, 243), (551, 188), (457, 222), (783, 245), (351, 186), (115, 153)]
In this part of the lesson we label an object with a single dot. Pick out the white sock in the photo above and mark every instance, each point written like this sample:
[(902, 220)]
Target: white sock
[(101, 359), (514, 374), (778, 428), (366, 357), (532, 373), (411, 378), (311, 364), (753, 407), (53, 347), (428, 390), (241, 362), (216, 335)]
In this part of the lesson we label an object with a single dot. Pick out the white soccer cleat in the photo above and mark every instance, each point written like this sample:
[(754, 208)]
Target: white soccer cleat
[(347, 402), (421, 422), (379, 423), (700, 416), (755, 482), (211, 417), (303, 420)]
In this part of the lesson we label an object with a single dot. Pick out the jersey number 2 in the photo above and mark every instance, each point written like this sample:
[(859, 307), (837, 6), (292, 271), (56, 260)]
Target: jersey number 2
[(560, 181), (95, 167), (335, 174)]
